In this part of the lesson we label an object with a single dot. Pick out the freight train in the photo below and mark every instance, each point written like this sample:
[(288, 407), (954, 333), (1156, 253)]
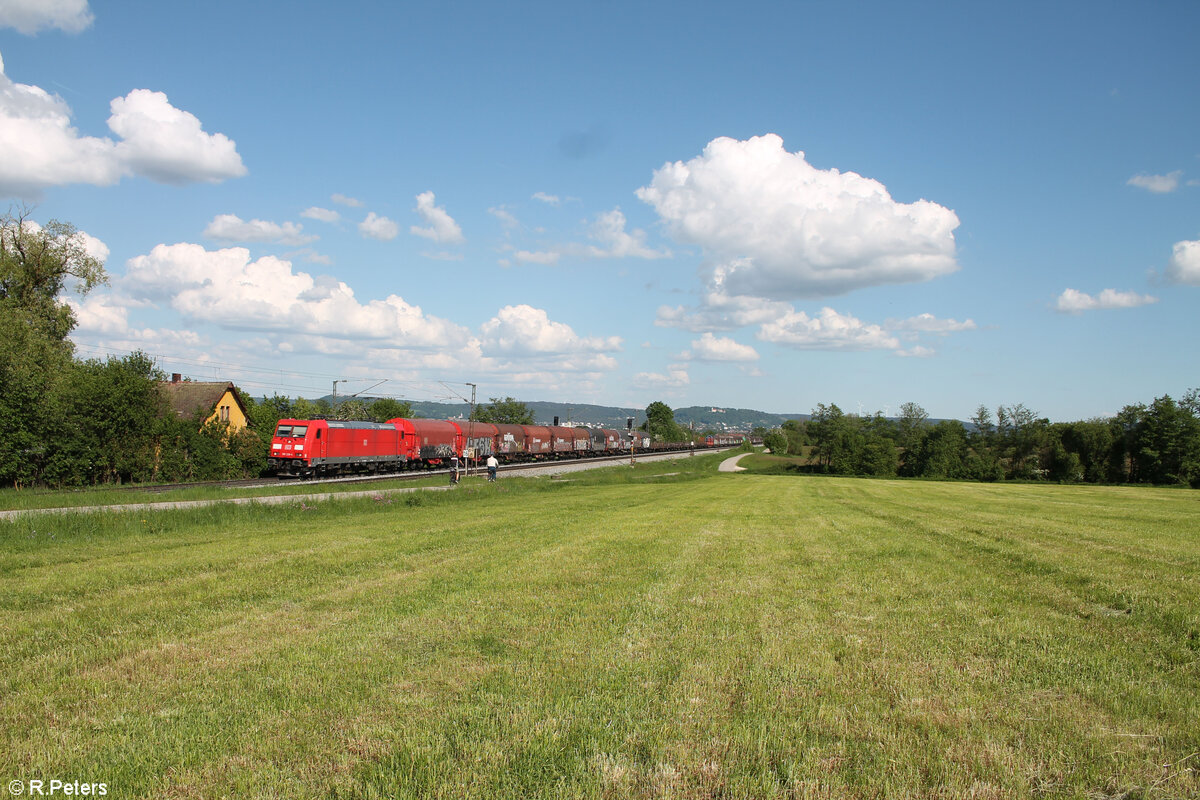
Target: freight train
[(316, 447)]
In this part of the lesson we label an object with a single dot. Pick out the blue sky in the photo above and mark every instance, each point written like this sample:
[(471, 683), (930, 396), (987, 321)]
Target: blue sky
[(769, 207)]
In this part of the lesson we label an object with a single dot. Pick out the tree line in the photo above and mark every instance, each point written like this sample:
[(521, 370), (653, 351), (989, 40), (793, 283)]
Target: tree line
[(1158, 443)]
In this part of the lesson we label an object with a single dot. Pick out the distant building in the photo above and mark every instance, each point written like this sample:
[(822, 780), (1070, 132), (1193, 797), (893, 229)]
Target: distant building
[(214, 400)]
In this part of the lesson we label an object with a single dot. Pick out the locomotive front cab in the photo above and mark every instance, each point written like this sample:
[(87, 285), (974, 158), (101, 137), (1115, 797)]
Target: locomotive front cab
[(293, 447)]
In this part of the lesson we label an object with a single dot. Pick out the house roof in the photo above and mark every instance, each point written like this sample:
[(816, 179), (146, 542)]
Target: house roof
[(186, 398)]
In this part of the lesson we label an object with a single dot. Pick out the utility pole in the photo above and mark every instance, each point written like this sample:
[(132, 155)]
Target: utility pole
[(471, 424), (333, 398), (471, 419)]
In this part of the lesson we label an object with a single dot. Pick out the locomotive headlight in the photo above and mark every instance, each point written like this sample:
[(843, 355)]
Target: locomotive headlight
[(299, 447), (277, 446)]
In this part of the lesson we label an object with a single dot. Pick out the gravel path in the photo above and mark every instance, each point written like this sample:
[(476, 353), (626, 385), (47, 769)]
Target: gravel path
[(731, 464)]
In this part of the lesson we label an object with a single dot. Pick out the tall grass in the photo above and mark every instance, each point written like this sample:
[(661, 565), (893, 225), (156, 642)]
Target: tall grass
[(615, 635)]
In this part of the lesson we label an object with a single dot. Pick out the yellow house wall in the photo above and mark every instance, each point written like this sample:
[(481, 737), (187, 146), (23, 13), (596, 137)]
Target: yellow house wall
[(237, 420)]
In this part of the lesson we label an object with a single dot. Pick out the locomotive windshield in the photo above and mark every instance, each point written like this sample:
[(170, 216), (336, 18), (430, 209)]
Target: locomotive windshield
[(291, 431)]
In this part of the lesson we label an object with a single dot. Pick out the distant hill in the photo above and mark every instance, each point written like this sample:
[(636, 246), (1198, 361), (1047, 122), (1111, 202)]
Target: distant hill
[(730, 419), (544, 413), (700, 417)]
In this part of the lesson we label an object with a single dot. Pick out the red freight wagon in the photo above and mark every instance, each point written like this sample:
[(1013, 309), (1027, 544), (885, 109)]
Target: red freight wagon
[(305, 447), (611, 440), (563, 439), (539, 440), (510, 440), (432, 439), (583, 440), (479, 437)]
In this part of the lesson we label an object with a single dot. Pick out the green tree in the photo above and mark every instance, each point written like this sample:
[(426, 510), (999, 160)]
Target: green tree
[(1021, 437), (941, 451), (36, 265), (835, 439), (506, 411), (350, 409), (1191, 402), (660, 423), (386, 408), (983, 462), (1091, 443), (109, 411), (303, 408), (37, 262), (266, 413), (1167, 448), (910, 429), (776, 441), (877, 449), (797, 436)]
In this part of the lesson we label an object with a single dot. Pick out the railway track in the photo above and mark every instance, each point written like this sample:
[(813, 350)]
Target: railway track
[(551, 466), (265, 483)]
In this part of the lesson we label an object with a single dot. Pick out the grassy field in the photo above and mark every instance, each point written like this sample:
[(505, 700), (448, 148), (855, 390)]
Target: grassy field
[(634, 633), (28, 499)]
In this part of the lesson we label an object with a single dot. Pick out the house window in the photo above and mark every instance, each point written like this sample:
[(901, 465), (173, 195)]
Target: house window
[(225, 413)]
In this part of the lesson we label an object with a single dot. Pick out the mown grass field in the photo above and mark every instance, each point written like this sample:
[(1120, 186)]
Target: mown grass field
[(29, 499), (627, 634)]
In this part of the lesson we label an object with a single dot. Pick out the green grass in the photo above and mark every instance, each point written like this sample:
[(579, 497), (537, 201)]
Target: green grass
[(31, 499), (614, 635)]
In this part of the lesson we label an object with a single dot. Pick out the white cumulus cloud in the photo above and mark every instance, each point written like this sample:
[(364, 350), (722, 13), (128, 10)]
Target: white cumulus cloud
[(675, 377), (99, 313), (721, 348), (158, 141), (829, 330), (30, 16), (721, 312), (1184, 266), (772, 225), (227, 288), (928, 323), (343, 200), (548, 199), (320, 214), (525, 330), (378, 227), (232, 228), (609, 230), (547, 257), (505, 216), (93, 246), (1158, 184), (442, 227), (168, 145), (1072, 301)]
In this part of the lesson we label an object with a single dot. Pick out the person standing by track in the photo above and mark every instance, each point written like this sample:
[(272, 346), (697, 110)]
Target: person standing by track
[(492, 465)]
